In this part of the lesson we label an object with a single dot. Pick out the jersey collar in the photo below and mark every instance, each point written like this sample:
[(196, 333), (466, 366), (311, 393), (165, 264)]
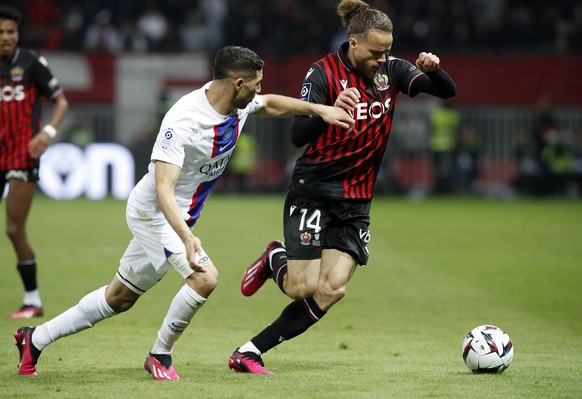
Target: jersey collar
[(342, 53)]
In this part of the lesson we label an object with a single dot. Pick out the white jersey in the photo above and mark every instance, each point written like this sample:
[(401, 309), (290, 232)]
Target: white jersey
[(200, 141)]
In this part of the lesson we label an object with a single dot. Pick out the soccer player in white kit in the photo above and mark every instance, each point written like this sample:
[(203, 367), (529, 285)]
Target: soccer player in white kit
[(195, 141)]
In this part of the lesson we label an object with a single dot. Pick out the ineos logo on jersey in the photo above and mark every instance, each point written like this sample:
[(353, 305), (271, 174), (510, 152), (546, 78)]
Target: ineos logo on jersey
[(9, 93), (215, 168), (374, 110)]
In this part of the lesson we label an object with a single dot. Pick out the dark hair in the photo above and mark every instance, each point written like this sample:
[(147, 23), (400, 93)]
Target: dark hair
[(359, 18), (11, 14), (236, 60)]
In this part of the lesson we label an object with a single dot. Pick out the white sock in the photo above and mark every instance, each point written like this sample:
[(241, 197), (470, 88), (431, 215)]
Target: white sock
[(90, 310), (32, 298), (183, 307), (249, 347)]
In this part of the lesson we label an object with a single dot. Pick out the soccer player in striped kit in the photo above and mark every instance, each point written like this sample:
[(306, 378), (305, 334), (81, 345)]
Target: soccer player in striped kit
[(195, 141), (24, 79), (327, 209)]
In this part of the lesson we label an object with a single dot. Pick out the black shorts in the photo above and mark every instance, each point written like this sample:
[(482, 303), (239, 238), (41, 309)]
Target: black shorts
[(311, 224), (17, 174)]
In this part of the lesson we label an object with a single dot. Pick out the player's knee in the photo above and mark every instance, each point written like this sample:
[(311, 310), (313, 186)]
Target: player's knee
[(299, 291), (331, 294), (119, 302), (210, 279), (204, 283), (14, 233), (120, 306)]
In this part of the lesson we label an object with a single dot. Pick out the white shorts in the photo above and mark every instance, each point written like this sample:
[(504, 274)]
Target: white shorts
[(153, 251)]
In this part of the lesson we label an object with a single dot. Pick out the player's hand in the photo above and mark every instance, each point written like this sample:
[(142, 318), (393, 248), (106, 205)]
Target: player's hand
[(348, 99), (338, 117), (39, 144), (427, 62), (193, 251)]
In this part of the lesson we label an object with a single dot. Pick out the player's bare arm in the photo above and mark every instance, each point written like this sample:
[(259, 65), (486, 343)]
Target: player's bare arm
[(43, 139), (167, 175), (277, 105)]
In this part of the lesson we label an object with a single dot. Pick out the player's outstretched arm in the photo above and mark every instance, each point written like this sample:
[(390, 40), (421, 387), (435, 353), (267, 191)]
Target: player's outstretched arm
[(277, 105), (435, 80)]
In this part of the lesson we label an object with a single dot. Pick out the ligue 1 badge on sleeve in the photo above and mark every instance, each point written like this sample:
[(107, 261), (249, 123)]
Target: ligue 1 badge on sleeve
[(169, 137)]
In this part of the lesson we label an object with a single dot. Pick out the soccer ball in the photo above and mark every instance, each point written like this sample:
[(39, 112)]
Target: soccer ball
[(487, 349)]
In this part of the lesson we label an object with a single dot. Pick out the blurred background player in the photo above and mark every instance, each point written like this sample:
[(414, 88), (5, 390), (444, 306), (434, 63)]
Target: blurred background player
[(24, 79), (327, 209)]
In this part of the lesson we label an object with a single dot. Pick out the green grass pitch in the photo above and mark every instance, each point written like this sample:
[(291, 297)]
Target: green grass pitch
[(438, 268)]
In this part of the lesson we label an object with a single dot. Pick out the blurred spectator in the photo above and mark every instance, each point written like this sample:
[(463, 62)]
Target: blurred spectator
[(80, 133), (528, 180), (558, 162), (102, 36), (214, 14), (247, 29), (43, 30), (289, 27), (468, 167), (153, 24), (243, 163), (73, 22), (544, 123), (132, 39), (194, 34), (444, 125)]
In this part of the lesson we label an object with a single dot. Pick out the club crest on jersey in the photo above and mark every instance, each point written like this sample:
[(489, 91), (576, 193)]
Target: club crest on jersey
[(305, 238), (169, 137), (17, 74), (381, 81), (227, 134), (305, 90)]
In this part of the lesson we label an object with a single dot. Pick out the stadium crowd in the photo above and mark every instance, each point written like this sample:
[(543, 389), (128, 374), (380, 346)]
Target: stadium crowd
[(282, 28)]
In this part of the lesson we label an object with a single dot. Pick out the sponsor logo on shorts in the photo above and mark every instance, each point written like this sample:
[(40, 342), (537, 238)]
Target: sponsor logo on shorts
[(316, 242), (307, 238)]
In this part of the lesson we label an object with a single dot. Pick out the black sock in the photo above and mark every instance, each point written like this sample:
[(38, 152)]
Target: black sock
[(27, 270), (296, 318), (279, 266)]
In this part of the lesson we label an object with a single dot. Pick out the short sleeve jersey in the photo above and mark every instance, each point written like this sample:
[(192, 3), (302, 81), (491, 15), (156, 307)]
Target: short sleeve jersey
[(24, 80), (200, 141), (344, 165)]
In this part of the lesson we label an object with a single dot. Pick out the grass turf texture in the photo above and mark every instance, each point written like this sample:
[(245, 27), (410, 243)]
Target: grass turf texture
[(437, 269)]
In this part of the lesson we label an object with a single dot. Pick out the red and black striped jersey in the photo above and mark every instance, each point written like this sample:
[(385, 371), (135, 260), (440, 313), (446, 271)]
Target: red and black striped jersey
[(345, 165), (23, 81)]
